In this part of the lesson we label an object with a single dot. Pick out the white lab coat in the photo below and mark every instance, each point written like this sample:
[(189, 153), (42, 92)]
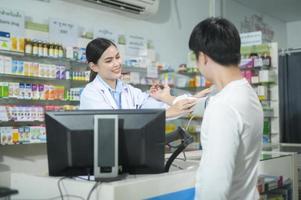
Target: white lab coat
[(97, 96)]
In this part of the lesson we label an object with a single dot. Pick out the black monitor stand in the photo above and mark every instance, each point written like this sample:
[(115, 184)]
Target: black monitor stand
[(6, 192)]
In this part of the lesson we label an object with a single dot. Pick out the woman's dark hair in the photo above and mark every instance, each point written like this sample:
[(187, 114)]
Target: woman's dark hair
[(218, 38), (94, 51)]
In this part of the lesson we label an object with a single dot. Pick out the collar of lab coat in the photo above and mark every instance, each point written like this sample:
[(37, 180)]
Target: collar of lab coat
[(119, 85), (103, 88)]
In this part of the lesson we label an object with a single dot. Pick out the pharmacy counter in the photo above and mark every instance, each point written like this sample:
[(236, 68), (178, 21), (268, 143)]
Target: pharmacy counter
[(177, 184)]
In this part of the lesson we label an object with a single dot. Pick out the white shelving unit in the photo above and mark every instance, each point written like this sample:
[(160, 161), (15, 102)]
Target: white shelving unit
[(270, 101)]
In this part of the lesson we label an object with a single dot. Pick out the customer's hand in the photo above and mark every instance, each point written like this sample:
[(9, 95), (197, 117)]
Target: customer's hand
[(181, 107)]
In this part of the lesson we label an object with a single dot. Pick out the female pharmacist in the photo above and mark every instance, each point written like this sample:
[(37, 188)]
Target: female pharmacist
[(107, 91)]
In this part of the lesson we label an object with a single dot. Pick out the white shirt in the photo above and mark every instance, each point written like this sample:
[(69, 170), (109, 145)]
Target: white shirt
[(97, 95), (231, 136)]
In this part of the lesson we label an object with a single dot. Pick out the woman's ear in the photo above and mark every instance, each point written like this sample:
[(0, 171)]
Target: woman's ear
[(93, 67)]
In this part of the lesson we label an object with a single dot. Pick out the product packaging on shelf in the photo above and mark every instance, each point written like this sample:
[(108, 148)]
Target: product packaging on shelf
[(5, 41)]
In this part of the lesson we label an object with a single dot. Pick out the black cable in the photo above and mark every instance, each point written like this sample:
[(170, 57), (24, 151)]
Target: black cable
[(184, 154), (171, 146), (59, 186), (92, 189), (174, 165), (88, 174), (61, 196), (186, 139), (173, 157)]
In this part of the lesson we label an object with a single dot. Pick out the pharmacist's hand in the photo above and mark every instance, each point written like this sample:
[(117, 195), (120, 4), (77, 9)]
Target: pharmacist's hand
[(202, 93), (181, 107), (161, 94)]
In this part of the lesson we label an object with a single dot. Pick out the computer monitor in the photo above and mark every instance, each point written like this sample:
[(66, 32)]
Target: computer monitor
[(70, 141)]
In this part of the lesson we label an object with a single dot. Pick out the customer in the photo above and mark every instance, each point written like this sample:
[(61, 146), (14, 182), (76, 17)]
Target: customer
[(107, 91), (232, 126)]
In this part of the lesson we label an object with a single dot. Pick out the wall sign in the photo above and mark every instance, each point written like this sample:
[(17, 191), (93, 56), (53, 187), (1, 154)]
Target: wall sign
[(63, 32), (106, 33), (136, 46), (257, 23), (252, 38), (12, 21)]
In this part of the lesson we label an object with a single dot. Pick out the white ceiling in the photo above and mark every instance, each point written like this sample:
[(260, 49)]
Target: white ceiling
[(285, 10)]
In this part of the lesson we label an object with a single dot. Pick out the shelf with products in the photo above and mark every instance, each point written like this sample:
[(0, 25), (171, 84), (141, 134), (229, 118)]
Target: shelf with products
[(165, 71), (20, 123), (129, 69), (6, 77), (21, 69), (259, 65), (44, 59), (189, 73), (11, 135), (191, 85), (196, 118), (136, 76), (24, 124), (36, 101), (31, 85), (16, 113)]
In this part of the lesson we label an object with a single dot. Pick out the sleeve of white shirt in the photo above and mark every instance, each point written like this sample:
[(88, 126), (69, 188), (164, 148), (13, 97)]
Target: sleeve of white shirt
[(217, 164)]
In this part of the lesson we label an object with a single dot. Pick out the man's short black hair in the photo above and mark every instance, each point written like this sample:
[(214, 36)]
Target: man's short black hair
[(218, 38)]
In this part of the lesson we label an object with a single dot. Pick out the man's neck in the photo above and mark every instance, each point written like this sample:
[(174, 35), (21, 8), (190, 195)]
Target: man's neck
[(225, 75)]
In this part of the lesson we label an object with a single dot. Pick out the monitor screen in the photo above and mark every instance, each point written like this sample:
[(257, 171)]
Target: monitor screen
[(70, 141)]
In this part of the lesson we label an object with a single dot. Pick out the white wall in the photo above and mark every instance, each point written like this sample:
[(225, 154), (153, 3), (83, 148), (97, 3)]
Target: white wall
[(236, 12), (169, 29), (293, 34)]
